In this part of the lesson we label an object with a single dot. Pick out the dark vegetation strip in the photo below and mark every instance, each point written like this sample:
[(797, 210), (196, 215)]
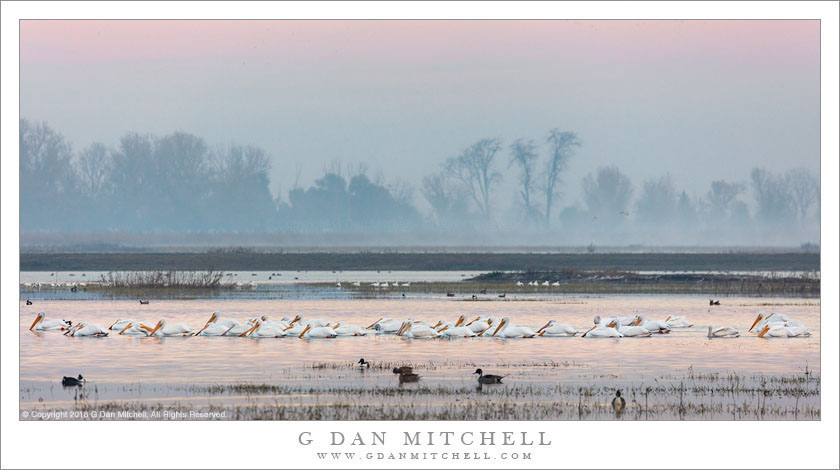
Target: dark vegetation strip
[(422, 261)]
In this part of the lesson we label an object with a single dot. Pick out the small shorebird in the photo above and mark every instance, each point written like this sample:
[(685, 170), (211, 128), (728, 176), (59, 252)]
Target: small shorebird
[(488, 379)]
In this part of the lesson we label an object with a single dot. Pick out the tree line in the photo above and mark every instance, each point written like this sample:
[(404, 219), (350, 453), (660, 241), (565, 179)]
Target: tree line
[(179, 183)]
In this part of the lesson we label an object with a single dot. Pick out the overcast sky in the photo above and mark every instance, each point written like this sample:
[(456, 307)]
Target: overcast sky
[(702, 100)]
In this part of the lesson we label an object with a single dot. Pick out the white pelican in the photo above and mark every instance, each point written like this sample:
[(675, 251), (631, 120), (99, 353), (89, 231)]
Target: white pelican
[(723, 332), (441, 323), (654, 326), (598, 321), (601, 331), (120, 324), (176, 329), (764, 318), (481, 324), (784, 330), (263, 330), (135, 329), (357, 284), (215, 319), (386, 326), (317, 332), (87, 329), (409, 329), (42, 325), (629, 330), (519, 284), (552, 328), (342, 329), (456, 332), (506, 330), (678, 322)]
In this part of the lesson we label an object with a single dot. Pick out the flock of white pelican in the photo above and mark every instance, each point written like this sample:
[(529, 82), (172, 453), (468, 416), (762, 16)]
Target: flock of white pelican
[(766, 325)]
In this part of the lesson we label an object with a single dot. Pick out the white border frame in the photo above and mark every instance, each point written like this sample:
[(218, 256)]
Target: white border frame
[(576, 444)]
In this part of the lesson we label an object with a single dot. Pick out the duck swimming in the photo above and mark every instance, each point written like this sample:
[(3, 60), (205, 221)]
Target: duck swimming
[(72, 381), (488, 379), (618, 402)]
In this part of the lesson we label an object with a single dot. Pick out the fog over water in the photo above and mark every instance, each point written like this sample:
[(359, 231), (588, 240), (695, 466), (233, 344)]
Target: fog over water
[(664, 133)]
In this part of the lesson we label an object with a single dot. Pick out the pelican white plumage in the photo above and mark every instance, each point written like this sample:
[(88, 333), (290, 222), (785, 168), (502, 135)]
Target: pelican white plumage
[(410, 329), (764, 318), (121, 323), (678, 322), (87, 329), (343, 329), (317, 332), (41, 324), (175, 329), (506, 330), (386, 326), (601, 331), (217, 320), (263, 330), (723, 332), (783, 330), (599, 321), (654, 326), (135, 329), (480, 323), (457, 323), (455, 332), (629, 330), (552, 328), (519, 284)]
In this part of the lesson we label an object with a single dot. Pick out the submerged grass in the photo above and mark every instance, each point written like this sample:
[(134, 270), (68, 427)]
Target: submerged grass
[(692, 396)]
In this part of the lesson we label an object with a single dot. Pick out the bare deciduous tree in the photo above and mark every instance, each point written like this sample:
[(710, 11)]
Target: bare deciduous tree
[(474, 168), (562, 146), (94, 167), (805, 188), (607, 193), (524, 155)]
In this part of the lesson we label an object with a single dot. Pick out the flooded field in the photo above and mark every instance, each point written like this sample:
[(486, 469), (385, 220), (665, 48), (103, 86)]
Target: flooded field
[(681, 375)]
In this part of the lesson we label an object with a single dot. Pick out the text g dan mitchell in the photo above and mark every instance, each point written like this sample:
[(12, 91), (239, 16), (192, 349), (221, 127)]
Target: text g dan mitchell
[(428, 438)]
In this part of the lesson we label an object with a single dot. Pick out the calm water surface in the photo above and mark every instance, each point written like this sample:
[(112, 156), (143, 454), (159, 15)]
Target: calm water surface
[(46, 356)]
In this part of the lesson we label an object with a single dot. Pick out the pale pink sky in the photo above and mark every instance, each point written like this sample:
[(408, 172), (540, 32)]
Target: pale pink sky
[(685, 97)]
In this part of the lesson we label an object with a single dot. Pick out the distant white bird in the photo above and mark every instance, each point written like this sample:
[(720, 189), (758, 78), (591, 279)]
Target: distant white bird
[(342, 329), (601, 331), (552, 328), (506, 330), (263, 330), (406, 284), (764, 318), (629, 330), (678, 322), (519, 283), (40, 324), (409, 329), (456, 332), (135, 329), (87, 329), (555, 283), (545, 284), (176, 329), (654, 326), (338, 284), (723, 332), (120, 324), (317, 332), (783, 330), (357, 284)]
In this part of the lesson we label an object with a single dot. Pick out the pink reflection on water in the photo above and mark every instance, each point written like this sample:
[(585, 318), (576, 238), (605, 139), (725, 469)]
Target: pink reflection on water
[(47, 356)]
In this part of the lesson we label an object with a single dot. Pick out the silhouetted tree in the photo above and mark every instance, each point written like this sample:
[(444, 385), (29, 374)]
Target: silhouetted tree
[(607, 193), (561, 148), (523, 154), (805, 189), (657, 204), (775, 204), (474, 168)]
